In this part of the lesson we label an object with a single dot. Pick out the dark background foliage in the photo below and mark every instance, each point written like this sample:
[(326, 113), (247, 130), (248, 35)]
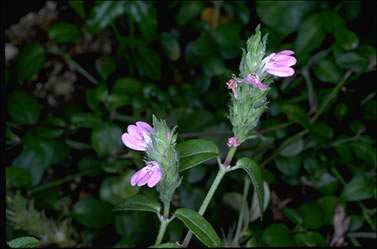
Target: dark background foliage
[(84, 71)]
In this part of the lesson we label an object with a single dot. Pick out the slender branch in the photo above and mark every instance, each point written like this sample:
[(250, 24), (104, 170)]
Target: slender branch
[(68, 59), (223, 169), (165, 220), (362, 235), (320, 110), (246, 188)]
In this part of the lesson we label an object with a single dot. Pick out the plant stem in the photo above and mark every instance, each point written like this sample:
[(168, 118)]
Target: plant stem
[(246, 188), (68, 59), (220, 174), (164, 223), (161, 232), (229, 157), (212, 190)]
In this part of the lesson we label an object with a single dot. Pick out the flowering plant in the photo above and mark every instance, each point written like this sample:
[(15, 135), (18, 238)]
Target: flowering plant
[(248, 102), (136, 123)]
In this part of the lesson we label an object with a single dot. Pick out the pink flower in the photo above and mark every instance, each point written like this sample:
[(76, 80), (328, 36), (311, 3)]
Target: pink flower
[(233, 142), (279, 64), (254, 80), (150, 175), (232, 84), (138, 136)]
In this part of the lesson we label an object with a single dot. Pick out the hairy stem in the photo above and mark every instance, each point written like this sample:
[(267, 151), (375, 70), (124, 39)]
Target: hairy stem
[(212, 190), (164, 223)]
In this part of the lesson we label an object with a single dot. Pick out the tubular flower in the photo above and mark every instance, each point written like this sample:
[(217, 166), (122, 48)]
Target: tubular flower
[(232, 84), (137, 136), (233, 142), (254, 80), (279, 64), (150, 175)]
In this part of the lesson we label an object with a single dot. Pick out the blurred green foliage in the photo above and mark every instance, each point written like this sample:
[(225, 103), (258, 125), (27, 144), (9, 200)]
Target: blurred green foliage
[(316, 142)]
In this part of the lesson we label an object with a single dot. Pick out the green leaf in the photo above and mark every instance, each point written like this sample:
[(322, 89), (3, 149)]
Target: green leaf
[(170, 45), (93, 213), (321, 132), (144, 14), (116, 188), (228, 38), (310, 35), (332, 21), (292, 215), (106, 139), (78, 7), (198, 226), (310, 239), (168, 245), (255, 174), (352, 60), (293, 149), (38, 154), (254, 209), (346, 39), (139, 203), (105, 67), (196, 151), (103, 14), (278, 235), (148, 63), (63, 32), (23, 108), (328, 205), (359, 188), (289, 166), (214, 67), (312, 215), (283, 16), (18, 177), (201, 49), (327, 71), (296, 113), (30, 60), (188, 11), (127, 86), (23, 242), (86, 120)]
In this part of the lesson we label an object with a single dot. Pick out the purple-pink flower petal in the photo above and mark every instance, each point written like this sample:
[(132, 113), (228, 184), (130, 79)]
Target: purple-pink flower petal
[(279, 64), (137, 136), (144, 126), (281, 72), (135, 178), (286, 52), (150, 174), (155, 178), (132, 142)]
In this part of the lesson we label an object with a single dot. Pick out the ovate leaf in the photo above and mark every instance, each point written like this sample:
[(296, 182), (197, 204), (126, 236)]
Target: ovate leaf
[(23, 242), (30, 60), (139, 203), (23, 108), (196, 151), (93, 213), (199, 226), (64, 32)]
